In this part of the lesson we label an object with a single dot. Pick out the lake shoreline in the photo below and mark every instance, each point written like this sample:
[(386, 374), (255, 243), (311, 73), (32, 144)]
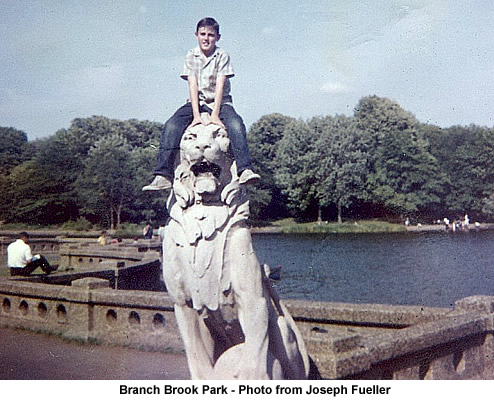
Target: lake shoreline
[(314, 228), (413, 229)]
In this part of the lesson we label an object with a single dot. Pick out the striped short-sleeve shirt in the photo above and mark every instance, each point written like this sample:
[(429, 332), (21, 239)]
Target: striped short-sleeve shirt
[(207, 70)]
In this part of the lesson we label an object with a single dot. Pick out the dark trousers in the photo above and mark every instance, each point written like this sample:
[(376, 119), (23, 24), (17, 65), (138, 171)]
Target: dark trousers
[(176, 125), (41, 262)]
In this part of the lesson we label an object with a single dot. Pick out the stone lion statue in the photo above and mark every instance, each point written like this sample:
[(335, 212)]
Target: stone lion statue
[(232, 323)]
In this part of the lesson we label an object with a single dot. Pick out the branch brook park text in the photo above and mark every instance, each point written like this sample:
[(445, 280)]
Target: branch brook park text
[(244, 389)]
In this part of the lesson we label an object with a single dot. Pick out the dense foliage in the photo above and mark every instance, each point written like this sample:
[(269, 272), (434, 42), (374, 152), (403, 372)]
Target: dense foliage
[(95, 169), (380, 162)]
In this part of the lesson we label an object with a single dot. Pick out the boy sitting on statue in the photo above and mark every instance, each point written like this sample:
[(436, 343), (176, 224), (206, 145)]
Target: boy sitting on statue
[(207, 69)]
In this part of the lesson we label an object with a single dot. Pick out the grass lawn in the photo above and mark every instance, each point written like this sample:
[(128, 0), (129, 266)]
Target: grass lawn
[(371, 226)]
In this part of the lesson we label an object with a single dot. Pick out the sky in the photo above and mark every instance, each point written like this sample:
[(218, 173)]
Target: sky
[(62, 59)]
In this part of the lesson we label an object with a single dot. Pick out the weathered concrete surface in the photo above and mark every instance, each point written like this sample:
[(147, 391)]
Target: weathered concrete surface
[(25, 355), (399, 342), (345, 341)]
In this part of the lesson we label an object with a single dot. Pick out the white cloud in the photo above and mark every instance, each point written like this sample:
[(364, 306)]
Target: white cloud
[(333, 87), (98, 82), (268, 31)]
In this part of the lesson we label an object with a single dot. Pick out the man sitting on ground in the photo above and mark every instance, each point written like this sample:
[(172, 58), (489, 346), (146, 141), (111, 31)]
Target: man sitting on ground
[(21, 261)]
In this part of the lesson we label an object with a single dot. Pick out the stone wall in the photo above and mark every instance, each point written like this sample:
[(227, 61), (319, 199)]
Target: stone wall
[(400, 342), (124, 275), (345, 341), (90, 310), (88, 255), (38, 246), (82, 253)]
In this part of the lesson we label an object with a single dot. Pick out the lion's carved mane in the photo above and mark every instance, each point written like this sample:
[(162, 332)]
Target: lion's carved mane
[(210, 270)]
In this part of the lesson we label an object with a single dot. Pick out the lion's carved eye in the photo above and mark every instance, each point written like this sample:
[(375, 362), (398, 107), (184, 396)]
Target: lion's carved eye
[(220, 133), (190, 137)]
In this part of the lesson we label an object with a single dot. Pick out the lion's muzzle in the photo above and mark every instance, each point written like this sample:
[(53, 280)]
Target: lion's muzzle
[(206, 177)]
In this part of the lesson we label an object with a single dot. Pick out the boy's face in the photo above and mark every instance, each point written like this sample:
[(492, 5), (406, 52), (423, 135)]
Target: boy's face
[(207, 38)]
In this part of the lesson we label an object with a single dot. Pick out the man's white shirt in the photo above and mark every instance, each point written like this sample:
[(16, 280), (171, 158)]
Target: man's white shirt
[(18, 254)]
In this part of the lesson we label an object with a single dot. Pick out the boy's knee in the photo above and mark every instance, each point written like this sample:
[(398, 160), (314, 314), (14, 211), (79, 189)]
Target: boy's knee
[(236, 127)]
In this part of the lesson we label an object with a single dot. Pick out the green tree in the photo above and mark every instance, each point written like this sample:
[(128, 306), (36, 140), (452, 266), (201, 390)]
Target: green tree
[(443, 147), (146, 205), (488, 206), (107, 181), (40, 189), (83, 133), (29, 201), (13, 145), (46, 187), (466, 156), (470, 168), (139, 133), (342, 160), (6, 204), (379, 116), (140, 136), (403, 177), (297, 163), (267, 200)]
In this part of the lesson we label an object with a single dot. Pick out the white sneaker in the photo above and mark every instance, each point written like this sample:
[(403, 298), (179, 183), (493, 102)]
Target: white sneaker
[(248, 176), (159, 183)]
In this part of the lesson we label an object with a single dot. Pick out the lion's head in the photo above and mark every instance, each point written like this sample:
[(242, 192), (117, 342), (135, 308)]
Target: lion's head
[(205, 166)]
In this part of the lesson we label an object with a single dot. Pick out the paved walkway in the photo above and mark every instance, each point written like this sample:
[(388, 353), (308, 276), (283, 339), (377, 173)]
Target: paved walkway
[(25, 355)]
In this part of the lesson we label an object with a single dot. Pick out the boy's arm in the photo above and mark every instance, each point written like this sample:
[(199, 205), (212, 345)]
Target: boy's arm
[(194, 100), (218, 96)]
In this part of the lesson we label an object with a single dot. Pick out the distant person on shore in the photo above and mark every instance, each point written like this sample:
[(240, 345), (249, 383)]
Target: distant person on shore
[(21, 261), (446, 224), (147, 232), (103, 239)]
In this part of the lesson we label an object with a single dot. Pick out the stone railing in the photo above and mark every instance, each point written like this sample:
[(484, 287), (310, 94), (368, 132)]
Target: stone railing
[(355, 341), (89, 255), (86, 253), (346, 341), (91, 311), (120, 274), (38, 246)]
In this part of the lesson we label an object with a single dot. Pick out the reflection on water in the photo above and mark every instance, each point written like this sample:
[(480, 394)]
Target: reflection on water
[(431, 269)]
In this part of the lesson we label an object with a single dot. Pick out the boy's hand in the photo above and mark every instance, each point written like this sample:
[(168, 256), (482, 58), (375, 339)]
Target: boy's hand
[(216, 120), (196, 121)]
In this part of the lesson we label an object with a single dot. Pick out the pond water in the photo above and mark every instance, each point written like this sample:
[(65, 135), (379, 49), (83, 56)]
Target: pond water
[(429, 269)]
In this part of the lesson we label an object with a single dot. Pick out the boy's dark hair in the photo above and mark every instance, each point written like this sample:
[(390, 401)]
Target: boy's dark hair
[(208, 22), (23, 235)]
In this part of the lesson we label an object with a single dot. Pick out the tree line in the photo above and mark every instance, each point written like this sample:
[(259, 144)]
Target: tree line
[(94, 170), (379, 163)]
